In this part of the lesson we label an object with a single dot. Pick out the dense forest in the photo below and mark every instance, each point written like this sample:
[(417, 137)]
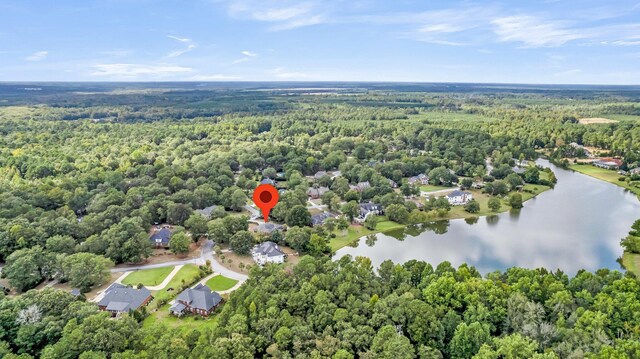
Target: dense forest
[(87, 169)]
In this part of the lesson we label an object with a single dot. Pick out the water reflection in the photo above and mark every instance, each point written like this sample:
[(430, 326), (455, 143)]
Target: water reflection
[(576, 225)]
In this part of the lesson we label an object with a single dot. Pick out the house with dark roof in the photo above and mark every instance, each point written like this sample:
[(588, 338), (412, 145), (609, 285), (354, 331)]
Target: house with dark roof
[(457, 197), (314, 192), (119, 299), (160, 239), (368, 209), (267, 252), (76, 292), (320, 218), (206, 212), (197, 300)]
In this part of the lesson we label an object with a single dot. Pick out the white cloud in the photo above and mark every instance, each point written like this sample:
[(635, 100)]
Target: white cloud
[(137, 70), (37, 56), (533, 32), (282, 14), (567, 73), (190, 46), (246, 56), (282, 73), (216, 77), (177, 38)]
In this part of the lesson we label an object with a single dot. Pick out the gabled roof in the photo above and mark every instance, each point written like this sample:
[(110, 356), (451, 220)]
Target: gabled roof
[(269, 227), (162, 236), (457, 193), (317, 191), (268, 249), (199, 297), (320, 218), (518, 170), (370, 207), (320, 174), (121, 298), (206, 211), (268, 181)]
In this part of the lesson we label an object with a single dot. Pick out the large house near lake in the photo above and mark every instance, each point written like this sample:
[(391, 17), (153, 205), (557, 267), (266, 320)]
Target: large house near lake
[(608, 163), (368, 209), (197, 300), (267, 252), (121, 299), (457, 197)]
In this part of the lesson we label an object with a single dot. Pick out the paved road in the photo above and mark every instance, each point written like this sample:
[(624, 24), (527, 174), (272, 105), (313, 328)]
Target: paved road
[(207, 254), (316, 206), (254, 212), (196, 261)]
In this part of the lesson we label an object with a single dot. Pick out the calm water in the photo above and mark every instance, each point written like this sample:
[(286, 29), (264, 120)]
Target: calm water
[(578, 224)]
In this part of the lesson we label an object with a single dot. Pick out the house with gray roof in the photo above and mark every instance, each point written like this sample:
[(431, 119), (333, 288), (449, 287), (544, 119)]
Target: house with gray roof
[(320, 218), (267, 252), (268, 181), (320, 174), (197, 300), (160, 239), (457, 197), (119, 299), (269, 227), (368, 209), (206, 212)]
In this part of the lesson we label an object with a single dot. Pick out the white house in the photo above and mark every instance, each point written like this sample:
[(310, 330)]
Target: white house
[(457, 198), (367, 209), (419, 179), (267, 252)]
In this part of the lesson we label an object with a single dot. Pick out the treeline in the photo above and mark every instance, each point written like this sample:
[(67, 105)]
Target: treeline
[(345, 309)]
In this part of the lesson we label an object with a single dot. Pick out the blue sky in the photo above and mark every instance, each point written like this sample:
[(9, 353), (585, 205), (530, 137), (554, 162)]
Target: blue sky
[(554, 41)]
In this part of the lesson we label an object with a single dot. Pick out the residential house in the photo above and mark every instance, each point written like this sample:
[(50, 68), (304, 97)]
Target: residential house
[(518, 170), (268, 181), (76, 292), (269, 227), (320, 174), (608, 163), (314, 192), (420, 179), (206, 212), (586, 151), (320, 218), (120, 299), (458, 197), (635, 171), (267, 252), (367, 209), (197, 300), (336, 174), (161, 238), (360, 186), (392, 183)]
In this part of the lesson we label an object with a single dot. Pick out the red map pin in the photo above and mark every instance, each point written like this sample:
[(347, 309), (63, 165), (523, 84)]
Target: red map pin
[(265, 197)]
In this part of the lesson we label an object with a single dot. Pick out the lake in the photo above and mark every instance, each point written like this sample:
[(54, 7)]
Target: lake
[(576, 225)]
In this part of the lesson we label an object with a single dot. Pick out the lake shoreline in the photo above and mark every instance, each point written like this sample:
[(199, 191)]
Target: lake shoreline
[(340, 242)]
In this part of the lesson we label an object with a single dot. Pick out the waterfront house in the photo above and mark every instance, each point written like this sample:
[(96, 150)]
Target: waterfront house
[(457, 197)]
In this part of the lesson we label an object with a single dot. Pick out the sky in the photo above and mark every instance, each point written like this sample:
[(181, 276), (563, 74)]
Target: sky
[(552, 41)]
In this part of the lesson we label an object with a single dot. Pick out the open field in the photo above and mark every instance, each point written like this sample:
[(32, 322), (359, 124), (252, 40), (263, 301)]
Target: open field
[(606, 175), (220, 283), (595, 120), (148, 277), (631, 262)]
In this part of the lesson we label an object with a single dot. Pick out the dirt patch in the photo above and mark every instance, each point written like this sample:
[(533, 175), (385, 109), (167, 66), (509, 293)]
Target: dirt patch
[(292, 259), (595, 120)]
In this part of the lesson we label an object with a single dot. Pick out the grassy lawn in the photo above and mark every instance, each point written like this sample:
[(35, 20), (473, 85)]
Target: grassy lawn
[(344, 239), (219, 283), (384, 224), (631, 261), (604, 175), (152, 276), (162, 316), (187, 274), (431, 188)]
